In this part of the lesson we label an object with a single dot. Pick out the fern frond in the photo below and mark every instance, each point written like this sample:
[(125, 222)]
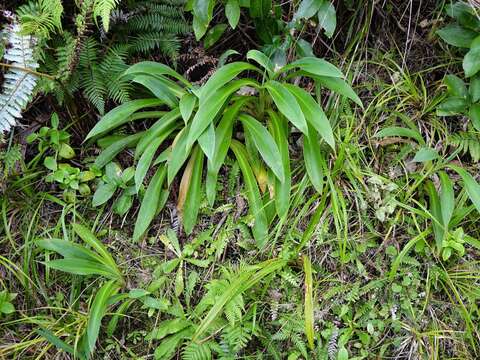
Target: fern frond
[(467, 142), (41, 18), (102, 9), (194, 351), (166, 43), (19, 83)]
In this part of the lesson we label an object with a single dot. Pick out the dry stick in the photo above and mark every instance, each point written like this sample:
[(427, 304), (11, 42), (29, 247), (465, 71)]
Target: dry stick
[(33, 72)]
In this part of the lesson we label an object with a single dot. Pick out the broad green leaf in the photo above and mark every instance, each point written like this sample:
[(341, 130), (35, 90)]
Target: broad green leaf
[(50, 163), (436, 211), (137, 293), (282, 189), (262, 60), (120, 115), (88, 237), (447, 199), (221, 77), (471, 186), (307, 9), (225, 55), (339, 86), (145, 162), (452, 106), (223, 135), (114, 149), (471, 62), (167, 327), (68, 249), (97, 311), (400, 132), (260, 226), (327, 18), (474, 115), (149, 205), (122, 204), (457, 35), (103, 193), (178, 155), (213, 35), (425, 154), (82, 267), (187, 104), (308, 306), (202, 15), (342, 353), (313, 160), (66, 151), (455, 86), (207, 141), (474, 88), (162, 128), (304, 48), (155, 68), (232, 12), (287, 104), (189, 196), (315, 66), (260, 9), (210, 108), (313, 113), (157, 88), (265, 145)]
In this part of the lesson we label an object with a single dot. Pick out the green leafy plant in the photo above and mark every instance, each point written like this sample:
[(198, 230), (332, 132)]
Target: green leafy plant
[(201, 123), (6, 306), (116, 179), (91, 259), (464, 33), (267, 16), (55, 143)]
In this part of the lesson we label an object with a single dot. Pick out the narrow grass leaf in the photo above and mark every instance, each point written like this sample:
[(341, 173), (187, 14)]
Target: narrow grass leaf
[(308, 306)]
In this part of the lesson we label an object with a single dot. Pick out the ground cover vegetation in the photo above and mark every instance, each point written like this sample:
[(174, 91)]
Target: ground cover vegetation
[(234, 179)]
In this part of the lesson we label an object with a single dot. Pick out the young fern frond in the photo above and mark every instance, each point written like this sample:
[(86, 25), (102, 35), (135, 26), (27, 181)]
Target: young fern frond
[(41, 18), (102, 9), (19, 81)]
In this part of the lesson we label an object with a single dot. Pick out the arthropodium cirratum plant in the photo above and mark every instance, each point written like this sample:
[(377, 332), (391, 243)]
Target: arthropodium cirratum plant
[(198, 131)]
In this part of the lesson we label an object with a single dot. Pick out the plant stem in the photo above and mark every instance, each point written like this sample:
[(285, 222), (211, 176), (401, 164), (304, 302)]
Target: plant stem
[(33, 72)]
